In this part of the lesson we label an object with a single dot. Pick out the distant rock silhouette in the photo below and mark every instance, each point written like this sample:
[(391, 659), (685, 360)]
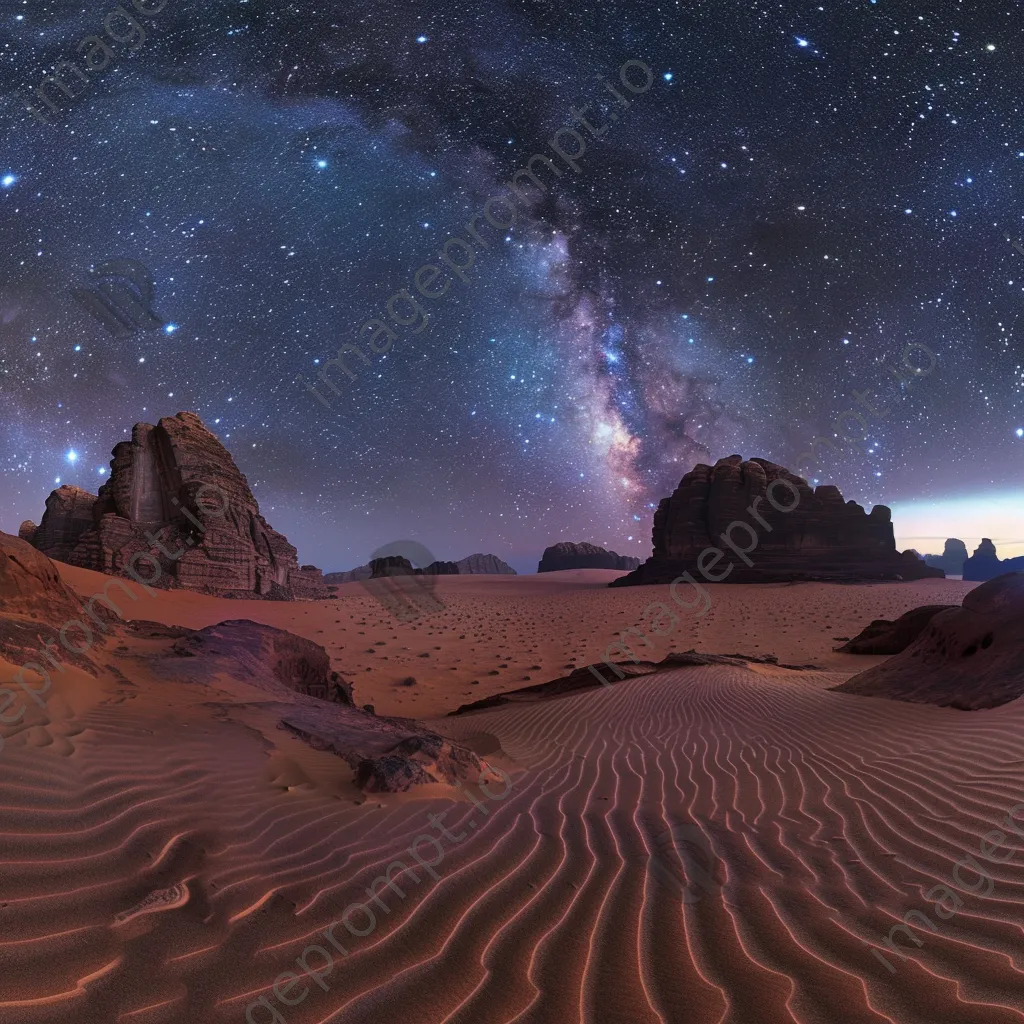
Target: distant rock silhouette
[(566, 555), (967, 658), (484, 565), (176, 511), (985, 564), (952, 559), (822, 538), (470, 565)]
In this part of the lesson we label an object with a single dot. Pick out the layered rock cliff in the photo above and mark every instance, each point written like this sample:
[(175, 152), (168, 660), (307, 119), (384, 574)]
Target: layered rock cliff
[(176, 511), (566, 555), (821, 536)]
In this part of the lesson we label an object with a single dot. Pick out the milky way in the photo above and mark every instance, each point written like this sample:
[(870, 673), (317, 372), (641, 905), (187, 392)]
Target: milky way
[(801, 192)]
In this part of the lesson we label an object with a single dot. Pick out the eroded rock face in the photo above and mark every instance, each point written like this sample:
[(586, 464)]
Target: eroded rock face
[(969, 658), (884, 636), (68, 515), (823, 537), (177, 511), (566, 555), (985, 564)]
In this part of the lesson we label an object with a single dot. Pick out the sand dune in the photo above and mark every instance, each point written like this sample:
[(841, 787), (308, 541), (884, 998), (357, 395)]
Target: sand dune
[(167, 853)]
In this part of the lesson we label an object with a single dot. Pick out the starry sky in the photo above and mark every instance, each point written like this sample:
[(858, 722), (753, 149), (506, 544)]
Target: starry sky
[(802, 192)]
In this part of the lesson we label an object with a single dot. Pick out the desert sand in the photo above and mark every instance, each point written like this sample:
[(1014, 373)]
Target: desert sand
[(167, 852)]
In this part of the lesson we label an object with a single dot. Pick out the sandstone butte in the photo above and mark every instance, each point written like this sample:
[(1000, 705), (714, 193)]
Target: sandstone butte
[(175, 493), (822, 538)]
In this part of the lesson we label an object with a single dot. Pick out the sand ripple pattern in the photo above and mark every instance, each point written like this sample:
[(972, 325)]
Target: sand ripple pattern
[(827, 817)]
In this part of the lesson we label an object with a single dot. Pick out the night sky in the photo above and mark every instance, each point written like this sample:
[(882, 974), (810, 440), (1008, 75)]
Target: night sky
[(802, 192)]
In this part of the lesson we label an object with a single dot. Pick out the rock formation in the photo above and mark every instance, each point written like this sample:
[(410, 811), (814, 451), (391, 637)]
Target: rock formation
[(952, 559), (821, 538), (565, 555), (485, 565), (176, 511), (883, 636), (968, 658), (470, 565), (985, 564)]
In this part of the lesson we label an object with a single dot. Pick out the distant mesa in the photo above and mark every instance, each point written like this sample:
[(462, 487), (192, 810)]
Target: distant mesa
[(822, 538), (566, 555), (484, 565), (883, 636), (969, 658), (985, 564), (175, 501), (471, 565), (952, 559)]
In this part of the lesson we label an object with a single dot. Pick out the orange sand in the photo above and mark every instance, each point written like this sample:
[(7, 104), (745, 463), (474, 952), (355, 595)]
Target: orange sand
[(166, 852)]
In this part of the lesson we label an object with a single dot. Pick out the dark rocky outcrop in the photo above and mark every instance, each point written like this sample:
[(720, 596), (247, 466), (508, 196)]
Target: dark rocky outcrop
[(985, 564), (391, 565), (952, 559), (967, 658), (484, 565), (822, 538), (566, 555), (883, 636), (176, 501)]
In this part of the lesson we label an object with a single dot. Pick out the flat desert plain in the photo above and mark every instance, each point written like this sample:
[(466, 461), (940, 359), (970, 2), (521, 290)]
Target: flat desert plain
[(718, 844)]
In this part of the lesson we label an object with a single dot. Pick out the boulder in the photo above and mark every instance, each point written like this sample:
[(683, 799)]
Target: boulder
[(968, 658), (797, 533), (566, 555), (176, 511)]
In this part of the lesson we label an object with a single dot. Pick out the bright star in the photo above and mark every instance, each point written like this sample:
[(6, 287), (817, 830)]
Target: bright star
[(1019, 431), (801, 42), (321, 164), (170, 328), (72, 456), (668, 76), (422, 39), (8, 180)]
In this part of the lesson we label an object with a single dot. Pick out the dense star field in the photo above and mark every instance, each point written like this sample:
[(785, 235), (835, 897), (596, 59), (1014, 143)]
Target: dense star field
[(801, 202)]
